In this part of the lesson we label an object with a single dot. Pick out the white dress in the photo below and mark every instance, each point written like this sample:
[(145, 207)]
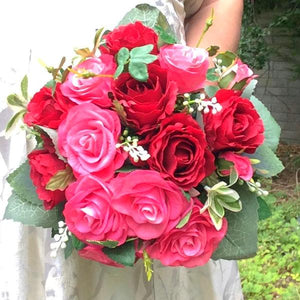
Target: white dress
[(49, 30)]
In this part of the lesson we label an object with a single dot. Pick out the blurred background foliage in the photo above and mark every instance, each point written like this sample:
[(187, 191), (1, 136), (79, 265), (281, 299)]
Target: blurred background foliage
[(283, 19)]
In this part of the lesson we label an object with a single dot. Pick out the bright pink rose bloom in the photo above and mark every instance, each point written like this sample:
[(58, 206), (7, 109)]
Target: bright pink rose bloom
[(94, 88), (88, 212), (242, 164), (187, 66), (243, 72), (190, 246), (88, 138), (94, 252), (152, 205)]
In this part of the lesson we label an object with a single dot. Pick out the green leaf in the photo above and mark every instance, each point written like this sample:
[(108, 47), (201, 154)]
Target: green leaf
[(108, 243), (24, 87), (233, 177), (52, 85), (124, 254), (217, 220), (69, 248), (141, 54), (123, 56), (227, 58), (15, 100), (28, 213), (264, 211), (120, 111), (77, 244), (126, 169), (212, 50), (218, 209), (22, 185), (226, 80), (61, 180), (249, 90), (241, 238), (150, 16), (211, 75), (138, 71), (272, 129), (211, 90), (97, 39), (14, 120), (164, 36), (119, 71), (184, 220), (269, 164), (187, 195)]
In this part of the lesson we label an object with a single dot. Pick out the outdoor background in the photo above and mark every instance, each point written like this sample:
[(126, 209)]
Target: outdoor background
[(271, 45)]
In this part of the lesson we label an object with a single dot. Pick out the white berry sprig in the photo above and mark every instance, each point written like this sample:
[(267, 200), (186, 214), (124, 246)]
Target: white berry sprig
[(60, 238)]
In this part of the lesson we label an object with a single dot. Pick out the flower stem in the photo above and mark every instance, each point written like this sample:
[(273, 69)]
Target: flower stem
[(208, 24)]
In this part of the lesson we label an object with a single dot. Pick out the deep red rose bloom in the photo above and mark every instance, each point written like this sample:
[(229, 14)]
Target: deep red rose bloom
[(44, 164), (190, 246), (46, 109), (236, 127), (131, 36), (179, 151), (146, 103)]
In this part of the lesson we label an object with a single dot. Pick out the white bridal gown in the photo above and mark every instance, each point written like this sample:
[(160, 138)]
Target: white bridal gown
[(35, 29)]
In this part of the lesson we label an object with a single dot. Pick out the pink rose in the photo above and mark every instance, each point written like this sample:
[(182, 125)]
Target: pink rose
[(243, 72), (187, 66), (88, 212), (152, 205), (94, 252), (242, 164), (88, 137), (91, 87), (190, 246)]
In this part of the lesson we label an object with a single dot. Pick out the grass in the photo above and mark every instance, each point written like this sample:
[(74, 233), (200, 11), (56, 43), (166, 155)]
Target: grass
[(274, 273)]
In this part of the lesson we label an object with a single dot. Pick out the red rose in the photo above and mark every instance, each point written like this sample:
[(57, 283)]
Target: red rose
[(46, 109), (131, 36), (44, 164), (179, 151), (151, 204), (94, 252), (146, 103), (89, 214), (237, 127), (190, 246)]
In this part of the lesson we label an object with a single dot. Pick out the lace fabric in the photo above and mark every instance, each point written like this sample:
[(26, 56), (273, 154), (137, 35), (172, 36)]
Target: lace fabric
[(26, 269)]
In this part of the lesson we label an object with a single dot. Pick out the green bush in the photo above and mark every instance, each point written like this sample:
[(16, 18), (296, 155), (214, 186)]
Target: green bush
[(275, 272)]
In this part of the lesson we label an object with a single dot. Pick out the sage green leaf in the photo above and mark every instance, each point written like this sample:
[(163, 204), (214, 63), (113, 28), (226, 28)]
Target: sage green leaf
[(264, 211), (233, 177), (184, 220), (108, 243), (28, 213), (164, 36), (24, 87), (272, 129), (141, 54), (124, 254), (217, 220), (187, 195), (14, 120), (241, 238), (218, 209), (269, 164), (138, 71), (22, 185), (123, 56), (226, 80), (250, 88), (69, 248), (119, 71), (211, 90), (15, 100), (150, 16), (232, 206), (227, 58), (78, 244), (61, 180), (211, 75)]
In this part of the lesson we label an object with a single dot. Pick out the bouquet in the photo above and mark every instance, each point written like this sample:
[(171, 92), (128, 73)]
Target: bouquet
[(144, 151)]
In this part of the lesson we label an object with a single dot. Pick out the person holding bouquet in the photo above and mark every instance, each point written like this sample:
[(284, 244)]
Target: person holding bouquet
[(77, 278)]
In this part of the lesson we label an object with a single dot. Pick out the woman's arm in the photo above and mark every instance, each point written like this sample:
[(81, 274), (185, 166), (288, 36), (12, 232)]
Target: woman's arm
[(225, 31)]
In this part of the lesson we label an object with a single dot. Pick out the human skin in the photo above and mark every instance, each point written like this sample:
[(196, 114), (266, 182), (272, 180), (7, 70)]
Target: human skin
[(225, 31)]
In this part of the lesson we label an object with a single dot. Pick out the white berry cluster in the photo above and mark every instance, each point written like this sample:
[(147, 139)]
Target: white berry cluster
[(60, 238)]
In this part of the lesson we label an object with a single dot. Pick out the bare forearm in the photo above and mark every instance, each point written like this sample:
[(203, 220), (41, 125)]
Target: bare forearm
[(225, 31)]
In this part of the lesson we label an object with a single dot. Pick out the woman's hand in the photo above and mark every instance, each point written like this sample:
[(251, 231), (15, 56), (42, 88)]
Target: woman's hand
[(225, 31)]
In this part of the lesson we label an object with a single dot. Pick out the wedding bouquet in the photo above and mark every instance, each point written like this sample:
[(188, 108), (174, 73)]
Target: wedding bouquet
[(144, 151)]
